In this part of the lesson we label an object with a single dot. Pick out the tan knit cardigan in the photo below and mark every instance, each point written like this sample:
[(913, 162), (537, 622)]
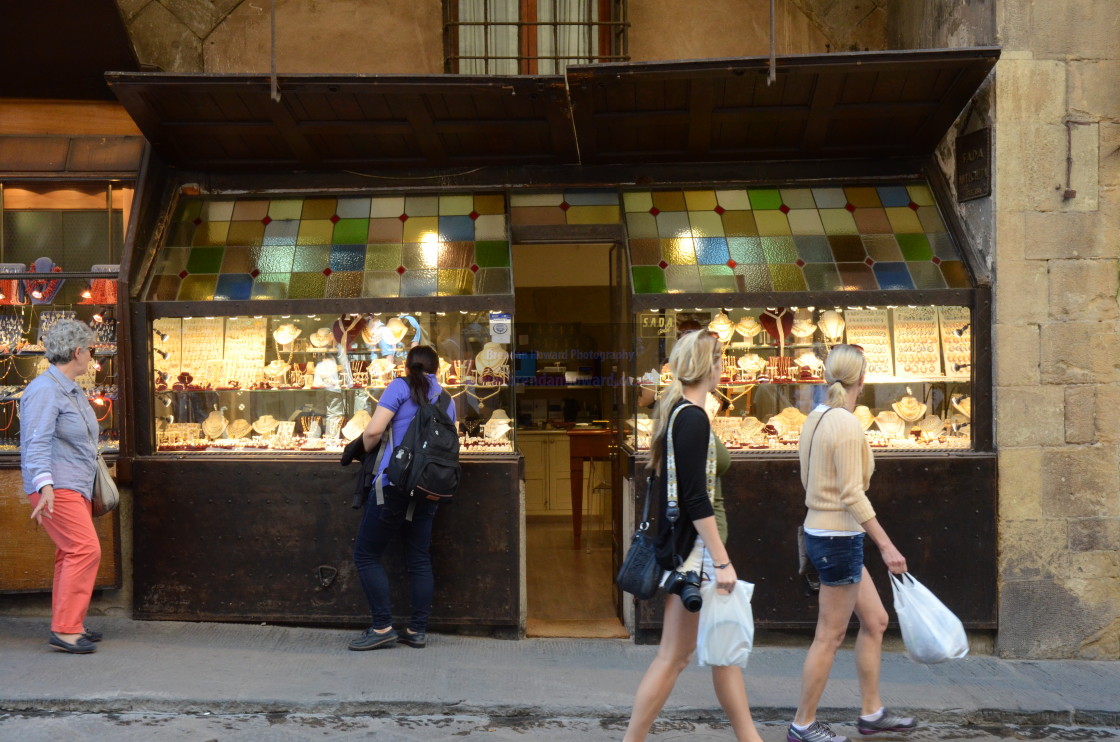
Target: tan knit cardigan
[(840, 472)]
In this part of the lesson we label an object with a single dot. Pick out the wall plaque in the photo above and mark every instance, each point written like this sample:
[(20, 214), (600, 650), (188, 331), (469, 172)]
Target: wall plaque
[(974, 165)]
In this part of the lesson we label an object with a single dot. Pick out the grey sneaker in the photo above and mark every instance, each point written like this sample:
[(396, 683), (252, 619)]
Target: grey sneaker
[(817, 732), (370, 639), (888, 722)]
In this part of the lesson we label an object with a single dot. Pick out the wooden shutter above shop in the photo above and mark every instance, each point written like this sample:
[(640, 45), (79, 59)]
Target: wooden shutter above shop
[(834, 106)]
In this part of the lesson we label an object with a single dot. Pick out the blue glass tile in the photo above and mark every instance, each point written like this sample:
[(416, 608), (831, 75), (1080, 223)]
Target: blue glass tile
[(712, 250), (893, 276), (456, 229), (234, 287), (894, 195), (348, 257)]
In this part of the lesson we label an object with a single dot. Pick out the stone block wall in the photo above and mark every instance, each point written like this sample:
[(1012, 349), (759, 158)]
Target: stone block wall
[(1057, 347)]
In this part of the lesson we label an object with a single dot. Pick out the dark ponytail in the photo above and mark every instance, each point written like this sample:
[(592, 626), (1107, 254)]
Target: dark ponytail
[(421, 360)]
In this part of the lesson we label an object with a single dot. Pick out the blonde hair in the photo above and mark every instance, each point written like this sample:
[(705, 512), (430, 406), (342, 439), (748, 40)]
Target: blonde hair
[(843, 369), (691, 362)]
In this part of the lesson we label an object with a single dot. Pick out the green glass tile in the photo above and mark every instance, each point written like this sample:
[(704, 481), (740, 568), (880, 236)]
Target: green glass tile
[(787, 278), (798, 198), (319, 208), (863, 197), (172, 260), (385, 230), (217, 211), (211, 234), (735, 199), (250, 210), (700, 200), (456, 204), (645, 252), (381, 283), (779, 250), (823, 277), (683, 279), (805, 221), (419, 206), (285, 209), (872, 221), (751, 277), (421, 229), (271, 286), (926, 275), (857, 277), (415, 256), (307, 286), (180, 234), (956, 276), (739, 224), (637, 201), (188, 210), (706, 223), (673, 224), (238, 260), (353, 208), (198, 288), (351, 231), (491, 281), (205, 260), (771, 223), (746, 249), (315, 232), (491, 254), (386, 207), (164, 288), (847, 248), (838, 221), (914, 246), (717, 279), (814, 249), (882, 248), (765, 198), (648, 279), (668, 201), (245, 233), (455, 282), (490, 203), (930, 219), (276, 258), (381, 257), (344, 285), (311, 258), (641, 226), (419, 283), (679, 251), (455, 255)]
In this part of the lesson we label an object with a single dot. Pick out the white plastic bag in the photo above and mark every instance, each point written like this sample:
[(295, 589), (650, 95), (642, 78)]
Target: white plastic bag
[(930, 631), (726, 632)]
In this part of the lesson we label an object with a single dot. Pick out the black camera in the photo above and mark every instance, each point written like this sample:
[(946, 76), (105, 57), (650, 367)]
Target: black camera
[(687, 586)]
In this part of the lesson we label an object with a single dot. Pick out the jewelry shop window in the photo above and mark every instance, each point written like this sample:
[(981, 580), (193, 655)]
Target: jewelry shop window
[(532, 37), (780, 276), (60, 244)]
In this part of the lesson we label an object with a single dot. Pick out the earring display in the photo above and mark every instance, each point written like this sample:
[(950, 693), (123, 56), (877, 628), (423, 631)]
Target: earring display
[(916, 348), (956, 340)]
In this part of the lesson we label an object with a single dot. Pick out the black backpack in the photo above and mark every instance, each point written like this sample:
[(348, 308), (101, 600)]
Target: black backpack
[(425, 465)]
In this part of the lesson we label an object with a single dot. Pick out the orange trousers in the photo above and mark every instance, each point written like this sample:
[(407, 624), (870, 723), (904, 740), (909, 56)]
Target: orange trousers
[(77, 557)]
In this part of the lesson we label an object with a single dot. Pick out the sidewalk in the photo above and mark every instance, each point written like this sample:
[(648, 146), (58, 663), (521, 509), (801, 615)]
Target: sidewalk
[(234, 668)]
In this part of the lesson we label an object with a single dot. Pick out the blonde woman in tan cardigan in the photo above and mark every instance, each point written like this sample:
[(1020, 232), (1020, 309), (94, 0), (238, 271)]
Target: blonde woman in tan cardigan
[(836, 468)]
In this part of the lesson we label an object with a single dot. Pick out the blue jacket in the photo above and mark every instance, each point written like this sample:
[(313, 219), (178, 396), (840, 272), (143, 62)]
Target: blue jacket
[(57, 434)]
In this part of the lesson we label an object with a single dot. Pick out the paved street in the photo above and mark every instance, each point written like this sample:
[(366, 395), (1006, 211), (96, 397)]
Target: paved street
[(204, 727)]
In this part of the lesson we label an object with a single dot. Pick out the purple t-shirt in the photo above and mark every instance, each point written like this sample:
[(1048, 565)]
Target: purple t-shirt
[(397, 398)]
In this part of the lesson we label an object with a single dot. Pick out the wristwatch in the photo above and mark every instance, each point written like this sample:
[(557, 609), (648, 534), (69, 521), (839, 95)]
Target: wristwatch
[(725, 565)]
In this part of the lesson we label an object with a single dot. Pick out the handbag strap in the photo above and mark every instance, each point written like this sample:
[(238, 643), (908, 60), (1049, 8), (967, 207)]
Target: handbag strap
[(650, 483), (809, 457), (79, 409)]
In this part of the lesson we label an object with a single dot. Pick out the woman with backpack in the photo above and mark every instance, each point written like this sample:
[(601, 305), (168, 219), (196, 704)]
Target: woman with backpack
[(684, 449), (387, 509)]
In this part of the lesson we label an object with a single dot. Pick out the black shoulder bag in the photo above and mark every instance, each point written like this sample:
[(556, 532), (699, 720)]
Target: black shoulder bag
[(640, 574)]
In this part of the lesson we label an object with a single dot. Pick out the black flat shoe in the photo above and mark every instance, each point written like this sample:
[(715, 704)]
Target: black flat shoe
[(418, 639), (81, 646), (370, 639), (93, 636)]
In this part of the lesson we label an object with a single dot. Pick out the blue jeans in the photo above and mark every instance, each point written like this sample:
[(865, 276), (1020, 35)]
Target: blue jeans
[(380, 523), (837, 559)]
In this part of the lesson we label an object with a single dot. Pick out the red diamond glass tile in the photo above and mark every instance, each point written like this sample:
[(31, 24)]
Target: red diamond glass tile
[(267, 220), (654, 210), (849, 207), (719, 209), (474, 267), (254, 273), (731, 264), (183, 274), (913, 206), (403, 217), (800, 263), (663, 265), (564, 205), (936, 260), (400, 270), (869, 261), (473, 215), (784, 209), (327, 271), (335, 218), (197, 221)]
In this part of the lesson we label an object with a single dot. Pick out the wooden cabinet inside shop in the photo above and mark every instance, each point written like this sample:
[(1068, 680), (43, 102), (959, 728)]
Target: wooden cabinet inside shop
[(548, 480)]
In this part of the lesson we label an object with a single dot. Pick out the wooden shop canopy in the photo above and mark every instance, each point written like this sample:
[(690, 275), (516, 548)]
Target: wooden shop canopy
[(852, 105)]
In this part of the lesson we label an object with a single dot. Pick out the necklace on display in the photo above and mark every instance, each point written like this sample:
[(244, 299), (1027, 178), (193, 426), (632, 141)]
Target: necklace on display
[(108, 409), (12, 418)]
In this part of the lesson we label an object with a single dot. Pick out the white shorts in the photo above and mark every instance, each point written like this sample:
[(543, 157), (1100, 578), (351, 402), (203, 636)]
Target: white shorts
[(698, 560)]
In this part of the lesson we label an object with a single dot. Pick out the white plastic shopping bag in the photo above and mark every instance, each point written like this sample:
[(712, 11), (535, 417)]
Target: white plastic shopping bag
[(726, 632), (930, 631)]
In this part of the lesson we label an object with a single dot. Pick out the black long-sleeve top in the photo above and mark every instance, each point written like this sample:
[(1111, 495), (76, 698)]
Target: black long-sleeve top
[(690, 434)]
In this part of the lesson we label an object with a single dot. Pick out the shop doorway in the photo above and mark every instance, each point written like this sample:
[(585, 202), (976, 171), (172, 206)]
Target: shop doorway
[(569, 401)]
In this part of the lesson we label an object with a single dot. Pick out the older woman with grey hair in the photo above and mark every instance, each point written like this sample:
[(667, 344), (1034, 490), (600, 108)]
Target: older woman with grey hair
[(58, 434)]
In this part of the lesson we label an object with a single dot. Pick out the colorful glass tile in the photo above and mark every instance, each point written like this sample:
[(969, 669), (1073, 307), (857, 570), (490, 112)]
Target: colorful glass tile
[(350, 231), (419, 283), (711, 251), (771, 223), (645, 251), (164, 288), (683, 279), (881, 247), (421, 229), (315, 232), (765, 198), (383, 257), (678, 251), (307, 285), (276, 258), (717, 279), (315, 209), (385, 230), (490, 203), (250, 210), (752, 277), (281, 232), (188, 210), (535, 199), (456, 204), (739, 224), (205, 260), (787, 278), (386, 207), (271, 286), (893, 276), (455, 229), (171, 260), (455, 282), (419, 206), (669, 201), (491, 227), (344, 285), (180, 234), (942, 246), (217, 211), (705, 224), (211, 234), (311, 258), (920, 194), (823, 277), (492, 254), (347, 257), (814, 249), (903, 219), (673, 225), (592, 197), (805, 221), (930, 219), (234, 287), (537, 215), (353, 208), (872, 221), (830, 198), (245, 233), (381, 283), (838, 221), (779, 249), (914, 246), (956, 275), (641, 226), (637, 201), (798, 198), (700, 200), (746, 249), (198, 288), (926, 275), (857, 277), (894, 195), (594, 215), (863, 197), (285, 209), (419, 256), (238, 260), (648, 279), (847, 248)]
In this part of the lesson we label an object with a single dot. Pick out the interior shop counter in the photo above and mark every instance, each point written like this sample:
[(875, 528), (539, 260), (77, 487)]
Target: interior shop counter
[(271, 539), (939, 510)]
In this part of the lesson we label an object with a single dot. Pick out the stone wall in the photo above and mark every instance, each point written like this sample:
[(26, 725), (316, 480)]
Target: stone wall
[(1057, 352)]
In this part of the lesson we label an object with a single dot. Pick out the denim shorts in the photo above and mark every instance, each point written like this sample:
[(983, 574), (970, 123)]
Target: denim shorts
[(837, 559)]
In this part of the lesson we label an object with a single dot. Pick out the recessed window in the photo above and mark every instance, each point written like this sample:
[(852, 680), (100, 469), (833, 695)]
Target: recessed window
[(532, 37)]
